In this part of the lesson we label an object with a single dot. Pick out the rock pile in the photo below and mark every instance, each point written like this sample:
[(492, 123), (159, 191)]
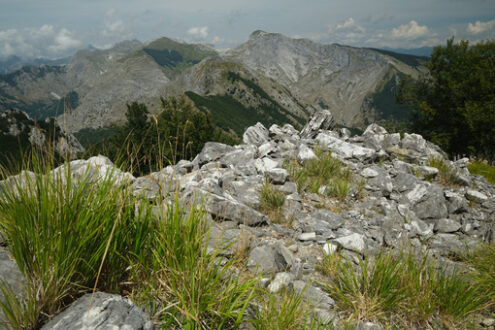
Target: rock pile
[(403, 202)]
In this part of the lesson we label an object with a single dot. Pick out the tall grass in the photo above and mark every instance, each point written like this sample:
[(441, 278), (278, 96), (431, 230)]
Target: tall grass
[(58, 230), (271, 202), (191, 287), (484, 169), (447, 175), (324, 171), (403, 289)]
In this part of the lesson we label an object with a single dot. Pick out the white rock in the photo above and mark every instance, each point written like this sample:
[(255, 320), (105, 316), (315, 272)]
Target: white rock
[(343, 149), (280, 281), (305, 154), (417, 193), (474, 194), (329, 248), (369, 173), (307, 236), (353, 242)]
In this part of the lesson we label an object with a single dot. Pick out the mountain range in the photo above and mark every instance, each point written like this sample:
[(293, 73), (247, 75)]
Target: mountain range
[(270, 78)]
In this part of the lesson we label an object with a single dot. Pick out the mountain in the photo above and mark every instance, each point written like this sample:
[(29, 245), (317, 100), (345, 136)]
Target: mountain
[(269, 78), (14, 63), (20, 132), (422, 51)]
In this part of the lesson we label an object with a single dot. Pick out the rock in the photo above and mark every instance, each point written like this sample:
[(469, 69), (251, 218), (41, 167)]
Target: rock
[(230, 209), (353, 242), (368, 326), (280, 281), (277, 175), (420, 228), (307, 236), (264, 260), (305, 154), (257, 135), (313, 295), (329, 248), (433, 206), (382, 182), (475, 195), (265, 164), (212, 151), (146, 187), (104, 311), (414, 142), (368, 173), (344, 149), (322, 120), (446, 226), (456, 203), (11, 276), (374, 129), (333, 220)]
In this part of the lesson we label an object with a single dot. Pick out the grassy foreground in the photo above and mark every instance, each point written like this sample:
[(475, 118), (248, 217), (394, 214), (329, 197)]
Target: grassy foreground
[(71, 234)]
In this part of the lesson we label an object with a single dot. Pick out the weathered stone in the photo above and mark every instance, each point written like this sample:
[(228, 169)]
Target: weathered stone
[(257, 135), (263, 260), (333, 220), (305, 154), (280, 281), (354, 242), (433, 206), (312, 295), (307, 236), (344, 149), (446, 225), (11, 276), (212, 151), (476, 195), (368, 173), (322, 120), (368, 326), (277, 175), (265, 164), (103, 311)]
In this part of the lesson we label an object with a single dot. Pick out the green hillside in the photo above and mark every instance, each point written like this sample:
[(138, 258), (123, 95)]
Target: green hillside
[(174, 56)]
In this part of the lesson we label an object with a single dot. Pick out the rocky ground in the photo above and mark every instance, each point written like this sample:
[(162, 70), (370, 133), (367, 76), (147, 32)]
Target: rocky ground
[(398, 200)]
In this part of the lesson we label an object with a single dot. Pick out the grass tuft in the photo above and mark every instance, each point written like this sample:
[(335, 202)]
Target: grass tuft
[(446, 174), (324, 172), (271, 202), (484, 169)]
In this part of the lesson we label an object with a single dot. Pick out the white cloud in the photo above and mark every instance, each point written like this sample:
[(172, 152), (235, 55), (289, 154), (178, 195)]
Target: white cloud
[(350, 24), (410, 31), (46, 41), (216, 40), (113, 29), (199, 33), (480, 27)]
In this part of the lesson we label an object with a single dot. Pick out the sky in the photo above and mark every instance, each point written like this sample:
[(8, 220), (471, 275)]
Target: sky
[(57, 28)]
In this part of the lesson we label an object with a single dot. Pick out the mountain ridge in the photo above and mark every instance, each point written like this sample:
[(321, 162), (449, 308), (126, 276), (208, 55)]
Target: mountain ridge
[(303, 76)]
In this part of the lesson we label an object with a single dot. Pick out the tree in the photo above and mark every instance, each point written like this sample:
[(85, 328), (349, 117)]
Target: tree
[(455, 102)]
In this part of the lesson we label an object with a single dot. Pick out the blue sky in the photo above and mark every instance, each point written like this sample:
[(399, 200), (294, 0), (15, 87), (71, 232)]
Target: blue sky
[(55, 28)]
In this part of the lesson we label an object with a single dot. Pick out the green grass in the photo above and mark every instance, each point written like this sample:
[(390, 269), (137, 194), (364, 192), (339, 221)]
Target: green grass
[(324, 171), (446, 174), (271, 202), (66, 242), (482, 261), (403, 289), (484, 169)]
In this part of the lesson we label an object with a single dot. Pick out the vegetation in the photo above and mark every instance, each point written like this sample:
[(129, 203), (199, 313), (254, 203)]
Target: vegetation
[(455, 103), (271, 201), (484, 169), (404, 289), (325, 174), (149, 143), (446, 174)]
